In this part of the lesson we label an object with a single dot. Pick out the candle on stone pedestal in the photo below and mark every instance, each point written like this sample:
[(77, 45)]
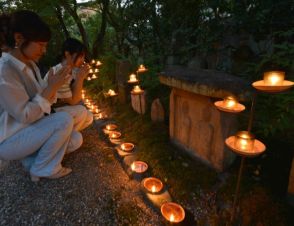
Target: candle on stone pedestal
[(141, 68), (137, 89)]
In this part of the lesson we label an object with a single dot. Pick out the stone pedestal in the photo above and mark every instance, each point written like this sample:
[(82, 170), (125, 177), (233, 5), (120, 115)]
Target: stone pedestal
[(195, 123), (291, 185), (139, 102)]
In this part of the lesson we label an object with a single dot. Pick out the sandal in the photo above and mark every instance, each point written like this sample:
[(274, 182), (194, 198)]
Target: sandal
[(61, 173)]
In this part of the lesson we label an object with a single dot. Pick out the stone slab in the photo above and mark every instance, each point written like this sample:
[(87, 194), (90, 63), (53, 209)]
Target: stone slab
[(206, 82)]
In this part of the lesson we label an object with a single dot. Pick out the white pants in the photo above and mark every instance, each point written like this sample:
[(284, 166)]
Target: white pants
[(41, 145), (81, 116), (82, 119)]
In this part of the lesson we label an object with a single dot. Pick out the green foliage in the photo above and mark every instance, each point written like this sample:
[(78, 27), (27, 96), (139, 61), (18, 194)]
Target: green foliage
[(106, 78), (275, 113)]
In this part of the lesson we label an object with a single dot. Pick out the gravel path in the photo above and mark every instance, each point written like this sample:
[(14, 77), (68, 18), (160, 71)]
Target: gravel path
[(98, 192)]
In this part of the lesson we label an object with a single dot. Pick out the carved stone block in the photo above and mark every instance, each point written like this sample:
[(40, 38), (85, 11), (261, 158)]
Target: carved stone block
[(198, 127)]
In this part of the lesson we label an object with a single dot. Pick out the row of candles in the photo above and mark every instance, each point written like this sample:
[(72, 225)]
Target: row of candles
[(133, 79), (244, 141), (94, 69), (171, 211), (93, 107)]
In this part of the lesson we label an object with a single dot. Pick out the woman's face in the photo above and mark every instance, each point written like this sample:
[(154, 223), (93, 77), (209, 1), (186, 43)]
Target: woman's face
[(80, 60), (35, 50)]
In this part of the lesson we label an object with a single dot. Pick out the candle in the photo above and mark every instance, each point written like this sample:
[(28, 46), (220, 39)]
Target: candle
[(93, 61), (83, 96), (91, 71), (97, 110), (111, 92), (173, 212), (152, 184), (114, 135), (127, 147), (230, 102), (274, 78), (141, 68), (96, 70), (98, 63), (133, 78), (111, 127), (89, 79), (94, 76), (137, 89), (139, 167), (244, 141)]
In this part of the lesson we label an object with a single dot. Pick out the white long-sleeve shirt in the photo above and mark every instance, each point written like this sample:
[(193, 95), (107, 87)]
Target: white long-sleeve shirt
[(20, 101)]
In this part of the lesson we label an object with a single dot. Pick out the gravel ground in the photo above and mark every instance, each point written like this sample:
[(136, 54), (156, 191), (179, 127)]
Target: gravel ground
[(98, 192)]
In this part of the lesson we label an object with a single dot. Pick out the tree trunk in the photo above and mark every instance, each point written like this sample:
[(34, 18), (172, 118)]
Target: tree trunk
[(61, 21), (81, 28), (98, 43)]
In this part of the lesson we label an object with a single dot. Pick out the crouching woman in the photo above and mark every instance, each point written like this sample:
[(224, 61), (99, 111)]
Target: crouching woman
[(27, 129)]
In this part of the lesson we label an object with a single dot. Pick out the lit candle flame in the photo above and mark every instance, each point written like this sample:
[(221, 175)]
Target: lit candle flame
[(111, 92), (137, 89), (89, 79), (133, 78), (141, 68), (94, 76), (98, 63), (172, 218), (96, 70), (230, 102), (153, 188), (133, 167), (274, 78), (93, 61)]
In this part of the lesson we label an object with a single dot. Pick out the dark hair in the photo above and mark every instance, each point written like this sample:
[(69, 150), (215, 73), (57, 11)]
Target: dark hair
[(27, 23), (73, 46)]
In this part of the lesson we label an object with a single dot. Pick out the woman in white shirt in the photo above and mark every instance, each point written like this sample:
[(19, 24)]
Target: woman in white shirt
[(69, 94), (26, 133)]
